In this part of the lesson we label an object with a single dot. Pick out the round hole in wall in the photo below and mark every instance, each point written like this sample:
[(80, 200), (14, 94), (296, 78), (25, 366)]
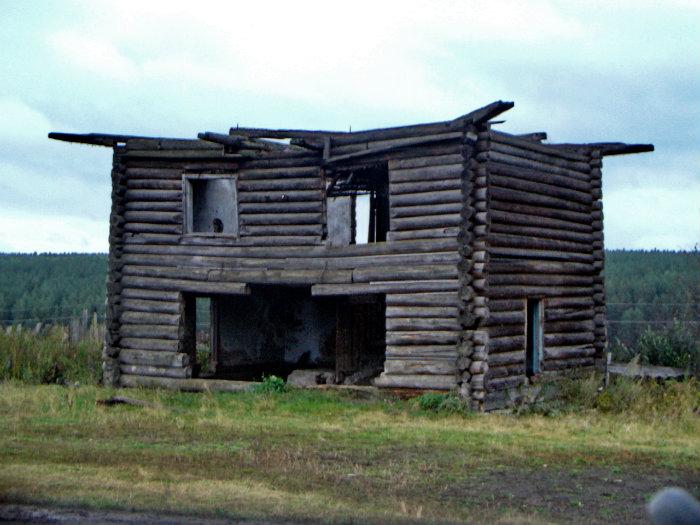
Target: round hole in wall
[(217, 225)]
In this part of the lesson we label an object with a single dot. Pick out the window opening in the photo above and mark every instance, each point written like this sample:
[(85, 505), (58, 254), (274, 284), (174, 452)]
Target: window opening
[(211, 204), (358, 206)]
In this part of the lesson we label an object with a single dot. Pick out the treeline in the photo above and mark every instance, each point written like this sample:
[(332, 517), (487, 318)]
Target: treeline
[(645, 289), (51, 287)]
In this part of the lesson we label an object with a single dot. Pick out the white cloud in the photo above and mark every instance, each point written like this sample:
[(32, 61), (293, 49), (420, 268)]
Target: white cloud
[(93, 54), (653, 218), (23, 232), (18, 122)]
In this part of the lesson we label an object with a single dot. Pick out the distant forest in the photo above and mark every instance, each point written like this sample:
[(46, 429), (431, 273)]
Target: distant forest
[(644, 289)]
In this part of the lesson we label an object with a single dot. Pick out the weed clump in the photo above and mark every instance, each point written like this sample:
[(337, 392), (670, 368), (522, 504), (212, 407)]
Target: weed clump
[(442, 403), (270, 385)]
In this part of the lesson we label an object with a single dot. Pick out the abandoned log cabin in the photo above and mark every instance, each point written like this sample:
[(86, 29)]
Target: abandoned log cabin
[(440, 256)]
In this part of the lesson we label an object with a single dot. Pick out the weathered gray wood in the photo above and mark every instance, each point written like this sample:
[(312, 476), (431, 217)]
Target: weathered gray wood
[(143, 227), (281, 218), (156, 283), (425, 382), (504, 193), (549, 179), (159, 371), (415, 366), (534, 291), (430, 209), (430, 197), (143, 305), (400, 324), (568, 352), (144, 343), (186, 385), (140, 317), (388, 287), (281, 184), (422, 299), (282, 230), (153, 195), (402, 188), (431, 337), (154, 184), (280, 196), (427, 222), (166, 217), (540, 279), (153, 358), (422, 162), (428, 233), (444, 351), (511, 220), (271, 208), (152, 331), (529, 186), (422, 311), (430, 173), (392, 273)]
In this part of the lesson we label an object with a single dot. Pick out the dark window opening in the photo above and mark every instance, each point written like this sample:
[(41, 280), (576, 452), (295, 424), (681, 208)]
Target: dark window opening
[(358, 206), (210, 204), (284, 331), (533, 350)]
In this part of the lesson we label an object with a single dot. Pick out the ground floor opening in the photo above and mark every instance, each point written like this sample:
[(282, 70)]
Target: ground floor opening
[(284, 331)]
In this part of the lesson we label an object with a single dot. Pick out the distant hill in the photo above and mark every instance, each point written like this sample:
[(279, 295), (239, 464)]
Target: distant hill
[(50, 287), (644, 288)]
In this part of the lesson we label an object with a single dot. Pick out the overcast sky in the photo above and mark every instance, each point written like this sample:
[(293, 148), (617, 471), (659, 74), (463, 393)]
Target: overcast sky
[(582, 71)]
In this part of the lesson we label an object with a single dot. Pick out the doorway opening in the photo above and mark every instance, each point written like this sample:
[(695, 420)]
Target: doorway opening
[(533, 350), (284, 331)]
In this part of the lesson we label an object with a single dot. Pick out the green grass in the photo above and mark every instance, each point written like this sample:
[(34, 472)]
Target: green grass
[(324, 455)]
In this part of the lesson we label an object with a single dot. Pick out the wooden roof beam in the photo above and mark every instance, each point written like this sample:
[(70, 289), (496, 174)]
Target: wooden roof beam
[(94, 139), (608, 148)]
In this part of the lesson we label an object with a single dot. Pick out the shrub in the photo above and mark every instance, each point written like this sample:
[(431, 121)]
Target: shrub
[(674, 346), (270, 385), (434, 402), (49, 358)]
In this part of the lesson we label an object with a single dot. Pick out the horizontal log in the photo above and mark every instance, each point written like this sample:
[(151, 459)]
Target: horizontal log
[(521, 162), (422, 299), (506, 371), (281, 184), (504, 193), (448, 351), (541, 152), (562, 364), (153, 358), (389, 287), (186, 385), (401, 324), (393, 273), (584, 238), (425, 382), (503, 318), (568, 339), (139, 317), (506, 358), (153, 173), (430, 197), (509, 219), (509, 252), (166, 296), (280, 196), (149, 306), (549, 179), (422, 337), (279, 172), (514, 291), (568, 352), (144, 227), (429, 233), (156, 283), (539, 188), (506, 344), (154, 184), (151, 331), (422, 162), (426, 222), (569, 326), (144, 343), (299, 230), (280, 218), (422, 311), (261, 240), (517, 266), (429, 173), (506, 383), (421, 211), (567, 314), (153, 195), (501, 330), (403, 188), (540, 279), (423, 366), (272, 208), (159, 371), (166, 217), (154, 206)]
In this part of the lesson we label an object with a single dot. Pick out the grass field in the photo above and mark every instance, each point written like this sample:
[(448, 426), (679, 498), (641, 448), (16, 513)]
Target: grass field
[(325, 456)]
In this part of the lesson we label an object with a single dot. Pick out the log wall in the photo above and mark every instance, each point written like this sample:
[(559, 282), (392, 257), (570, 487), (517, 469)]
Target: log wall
[(282, 217), (545, 241)]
